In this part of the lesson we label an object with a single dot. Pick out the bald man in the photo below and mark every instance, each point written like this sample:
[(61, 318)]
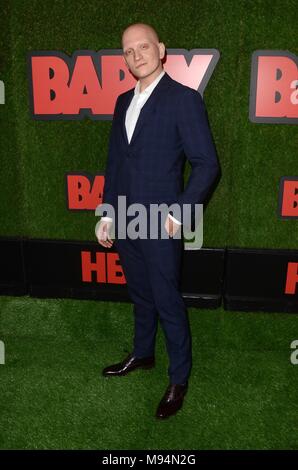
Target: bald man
[(156, 125)]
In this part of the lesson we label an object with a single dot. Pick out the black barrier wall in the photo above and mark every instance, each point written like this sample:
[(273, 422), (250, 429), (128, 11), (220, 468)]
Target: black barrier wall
[(264, 280)]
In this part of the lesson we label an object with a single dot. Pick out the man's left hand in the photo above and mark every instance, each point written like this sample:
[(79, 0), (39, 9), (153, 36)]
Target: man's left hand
[(171, 227)]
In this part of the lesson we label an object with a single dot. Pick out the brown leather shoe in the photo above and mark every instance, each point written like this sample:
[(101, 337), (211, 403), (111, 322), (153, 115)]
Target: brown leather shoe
[(172, 400), (130, 363)]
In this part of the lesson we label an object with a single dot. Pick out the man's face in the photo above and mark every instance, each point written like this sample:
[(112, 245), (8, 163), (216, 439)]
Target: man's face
[(142, 52)]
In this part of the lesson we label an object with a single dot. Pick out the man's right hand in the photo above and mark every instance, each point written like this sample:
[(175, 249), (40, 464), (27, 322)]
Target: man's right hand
[(103, 234)]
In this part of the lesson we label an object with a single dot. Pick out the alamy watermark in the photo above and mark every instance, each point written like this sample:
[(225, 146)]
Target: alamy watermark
[(2, 353), (294, 355), (2, 92), (148, 221)]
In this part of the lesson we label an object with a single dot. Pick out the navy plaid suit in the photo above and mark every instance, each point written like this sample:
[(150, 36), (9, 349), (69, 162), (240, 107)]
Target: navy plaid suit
[(172, 124)]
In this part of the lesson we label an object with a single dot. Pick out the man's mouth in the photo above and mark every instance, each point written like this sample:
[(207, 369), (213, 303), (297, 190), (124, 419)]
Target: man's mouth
[(138, 66)]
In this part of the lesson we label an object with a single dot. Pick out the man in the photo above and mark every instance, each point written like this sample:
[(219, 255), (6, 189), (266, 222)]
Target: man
[(154, 126)]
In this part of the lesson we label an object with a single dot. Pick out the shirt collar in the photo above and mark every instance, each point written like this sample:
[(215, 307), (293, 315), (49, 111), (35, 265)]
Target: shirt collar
[(150, 87)]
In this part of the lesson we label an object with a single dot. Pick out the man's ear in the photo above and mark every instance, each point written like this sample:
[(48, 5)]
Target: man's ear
[(162, 50)]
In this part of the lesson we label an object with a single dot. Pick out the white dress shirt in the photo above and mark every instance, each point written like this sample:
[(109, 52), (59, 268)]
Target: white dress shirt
[(132, 115)]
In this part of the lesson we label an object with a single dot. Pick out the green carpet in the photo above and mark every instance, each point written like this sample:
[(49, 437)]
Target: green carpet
[(242, 391)]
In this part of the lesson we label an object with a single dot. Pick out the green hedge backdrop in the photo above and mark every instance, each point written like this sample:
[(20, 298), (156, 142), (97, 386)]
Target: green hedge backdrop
[(35, 154)]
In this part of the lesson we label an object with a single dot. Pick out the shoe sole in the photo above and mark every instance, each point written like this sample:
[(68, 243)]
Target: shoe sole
[(176, 411), (169, 416), (129, 371)]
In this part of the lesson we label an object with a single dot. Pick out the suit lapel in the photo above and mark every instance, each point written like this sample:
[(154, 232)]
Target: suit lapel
[(147, 109), (126, 104)]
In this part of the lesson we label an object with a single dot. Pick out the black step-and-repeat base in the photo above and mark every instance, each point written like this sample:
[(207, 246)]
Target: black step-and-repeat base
[(244, 279)]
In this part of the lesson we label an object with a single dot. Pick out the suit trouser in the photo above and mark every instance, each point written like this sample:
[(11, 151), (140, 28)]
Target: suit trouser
[(152, 271)]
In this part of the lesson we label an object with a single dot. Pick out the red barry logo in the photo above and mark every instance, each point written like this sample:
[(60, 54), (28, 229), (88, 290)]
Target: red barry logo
[(88, 83), (274, 87), (288, 197), (83, 191)]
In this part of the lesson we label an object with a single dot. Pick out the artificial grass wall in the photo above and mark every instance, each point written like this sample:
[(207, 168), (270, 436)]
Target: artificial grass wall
[(35, 155)]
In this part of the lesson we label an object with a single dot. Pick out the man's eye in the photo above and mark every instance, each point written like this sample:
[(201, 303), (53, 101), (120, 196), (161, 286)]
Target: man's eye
[(128, 52), (144, 46)]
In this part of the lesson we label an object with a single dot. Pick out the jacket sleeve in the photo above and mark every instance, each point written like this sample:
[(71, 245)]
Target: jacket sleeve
[(198, 146), (111, 167)]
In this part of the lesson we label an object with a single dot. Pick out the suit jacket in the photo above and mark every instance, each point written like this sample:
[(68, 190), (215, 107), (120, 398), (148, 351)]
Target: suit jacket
[(172, 125)]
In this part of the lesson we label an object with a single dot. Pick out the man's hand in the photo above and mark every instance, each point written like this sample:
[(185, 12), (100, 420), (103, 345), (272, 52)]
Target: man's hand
[(171, 227), (103, 234)]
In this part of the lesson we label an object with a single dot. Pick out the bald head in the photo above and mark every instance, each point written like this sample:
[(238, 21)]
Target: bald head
[(141, 28)]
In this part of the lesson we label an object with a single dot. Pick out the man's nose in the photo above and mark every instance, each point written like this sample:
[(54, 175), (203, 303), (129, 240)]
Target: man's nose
[(138, 55)]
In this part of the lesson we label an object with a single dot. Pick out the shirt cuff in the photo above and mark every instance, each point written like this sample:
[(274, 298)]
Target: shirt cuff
[(174, 220), (107, 219)]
